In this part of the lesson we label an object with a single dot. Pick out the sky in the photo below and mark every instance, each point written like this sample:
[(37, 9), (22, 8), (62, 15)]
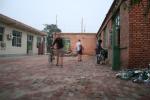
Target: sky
[(69, 13)]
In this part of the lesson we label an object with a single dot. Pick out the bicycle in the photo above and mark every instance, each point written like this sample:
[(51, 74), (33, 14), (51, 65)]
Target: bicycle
[(51, 56), (101, 56)]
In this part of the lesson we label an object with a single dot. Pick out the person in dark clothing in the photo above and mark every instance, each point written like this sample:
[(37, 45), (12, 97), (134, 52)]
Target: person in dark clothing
[(98, 50), (58, 42), (101, 53), (99, 47)]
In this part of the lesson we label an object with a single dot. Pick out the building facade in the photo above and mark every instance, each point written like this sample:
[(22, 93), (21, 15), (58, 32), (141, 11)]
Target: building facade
[(17, 38), (88, 41), (125, 32)]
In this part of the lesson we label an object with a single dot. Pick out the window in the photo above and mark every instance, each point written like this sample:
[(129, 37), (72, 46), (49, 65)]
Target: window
[(117, 22), (1, 33), (67, 44), (16, 41), (117, 29), (30, 38)]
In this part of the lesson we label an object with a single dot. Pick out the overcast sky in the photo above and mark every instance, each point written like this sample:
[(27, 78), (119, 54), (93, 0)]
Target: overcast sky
[(69, 13)]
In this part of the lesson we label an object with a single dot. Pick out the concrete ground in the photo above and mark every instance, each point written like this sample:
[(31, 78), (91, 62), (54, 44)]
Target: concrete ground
[(33, 78)]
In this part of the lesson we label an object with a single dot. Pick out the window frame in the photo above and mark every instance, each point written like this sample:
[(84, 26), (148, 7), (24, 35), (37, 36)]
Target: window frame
[(17, 38), (2, 33)]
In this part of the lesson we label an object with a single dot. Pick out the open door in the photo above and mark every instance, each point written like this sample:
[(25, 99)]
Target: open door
[(116, 42), (67, 45), (29, 44)]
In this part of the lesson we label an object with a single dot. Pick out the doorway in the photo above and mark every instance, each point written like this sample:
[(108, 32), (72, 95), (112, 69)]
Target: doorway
[(116, 42), (67, 45), (29, 44)]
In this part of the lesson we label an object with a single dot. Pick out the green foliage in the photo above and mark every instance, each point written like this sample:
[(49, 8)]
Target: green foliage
[(134, 2), (50, 29)]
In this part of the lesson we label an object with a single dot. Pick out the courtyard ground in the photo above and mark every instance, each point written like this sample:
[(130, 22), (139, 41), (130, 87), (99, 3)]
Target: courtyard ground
[(33, 78)]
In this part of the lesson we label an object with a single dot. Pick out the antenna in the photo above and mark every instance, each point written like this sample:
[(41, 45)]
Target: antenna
[(82, 25), (84, 28), (56, 19)]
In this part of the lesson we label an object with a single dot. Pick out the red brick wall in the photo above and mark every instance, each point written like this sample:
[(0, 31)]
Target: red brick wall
[(134, 36), (88, 41), (139, 37), (124, 36)]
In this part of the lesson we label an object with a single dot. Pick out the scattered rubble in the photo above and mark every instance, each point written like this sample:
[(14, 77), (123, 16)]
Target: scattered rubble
[(136, 75)]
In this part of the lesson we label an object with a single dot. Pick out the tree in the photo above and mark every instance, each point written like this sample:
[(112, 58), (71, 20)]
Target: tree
[(49, 29)]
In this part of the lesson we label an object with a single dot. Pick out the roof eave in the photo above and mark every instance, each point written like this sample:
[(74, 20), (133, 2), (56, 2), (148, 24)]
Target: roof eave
[(108, 16), (19, 25)]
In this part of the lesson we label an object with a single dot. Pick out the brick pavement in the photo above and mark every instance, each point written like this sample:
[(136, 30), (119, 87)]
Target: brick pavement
[(32, 78)]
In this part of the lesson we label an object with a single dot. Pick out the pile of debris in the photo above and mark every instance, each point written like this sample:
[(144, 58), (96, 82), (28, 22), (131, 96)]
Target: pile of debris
[(136, 75)]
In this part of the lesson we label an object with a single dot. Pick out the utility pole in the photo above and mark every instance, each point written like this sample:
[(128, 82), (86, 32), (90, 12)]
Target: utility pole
[(84, 28), (56, 19), (82, 25)]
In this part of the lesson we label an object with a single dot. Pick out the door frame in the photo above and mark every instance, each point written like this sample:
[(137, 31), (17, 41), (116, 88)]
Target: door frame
[(29, 50), (116, 42)]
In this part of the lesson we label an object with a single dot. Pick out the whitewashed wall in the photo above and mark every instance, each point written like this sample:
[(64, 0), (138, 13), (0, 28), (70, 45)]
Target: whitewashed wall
[(17, 50)]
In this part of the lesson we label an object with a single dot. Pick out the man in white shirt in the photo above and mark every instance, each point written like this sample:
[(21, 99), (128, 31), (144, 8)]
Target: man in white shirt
[(79, 49), (78, 45)]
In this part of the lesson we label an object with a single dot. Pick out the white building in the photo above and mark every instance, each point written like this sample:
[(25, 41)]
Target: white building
[(17, 38)]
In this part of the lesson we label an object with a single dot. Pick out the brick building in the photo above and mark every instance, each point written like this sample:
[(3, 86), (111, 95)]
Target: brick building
[(88, 41), (125, 32)]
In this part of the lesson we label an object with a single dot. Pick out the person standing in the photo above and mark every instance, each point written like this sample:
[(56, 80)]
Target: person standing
[(58, 42), (79, 49), (99, 52), (98, 47)]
